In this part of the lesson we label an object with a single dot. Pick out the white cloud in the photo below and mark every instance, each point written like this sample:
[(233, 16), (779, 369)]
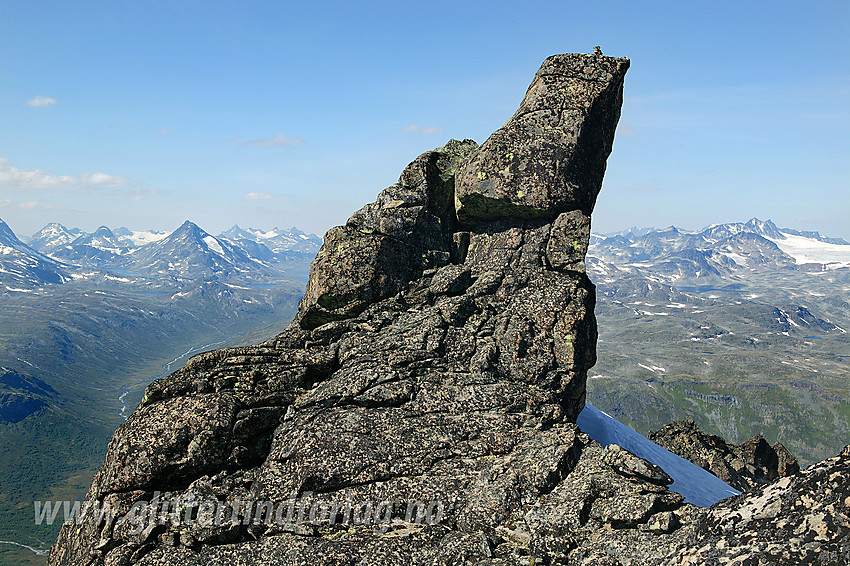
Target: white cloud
[(41, 101), (279, 140), (162, 131), (12, 177), (257, 196), (28, 205), (413, 127), (141, 194), (624, 130)]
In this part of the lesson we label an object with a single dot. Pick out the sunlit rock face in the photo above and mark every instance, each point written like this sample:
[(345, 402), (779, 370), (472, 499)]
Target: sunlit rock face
[(420, 408), (550, 157)]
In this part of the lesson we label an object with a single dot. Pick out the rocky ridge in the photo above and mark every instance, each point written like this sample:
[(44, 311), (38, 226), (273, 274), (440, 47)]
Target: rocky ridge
[(439, 356), (743, 466)]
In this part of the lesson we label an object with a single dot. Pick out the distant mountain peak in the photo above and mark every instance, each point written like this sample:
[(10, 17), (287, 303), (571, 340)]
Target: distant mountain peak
[(277, 242), (22, 267), (188, 225), (6, 232), (103, 231)]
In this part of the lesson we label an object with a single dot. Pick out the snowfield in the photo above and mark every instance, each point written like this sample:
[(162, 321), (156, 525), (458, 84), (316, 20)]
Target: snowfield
[(213, 245), (697, 485), (809, 250), (142, 237)]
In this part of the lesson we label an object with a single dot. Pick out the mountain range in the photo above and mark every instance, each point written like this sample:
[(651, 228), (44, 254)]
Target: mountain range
[(87, 319), (718, 251), (172, 274), (741, 327), (187, 253), (735, 326)]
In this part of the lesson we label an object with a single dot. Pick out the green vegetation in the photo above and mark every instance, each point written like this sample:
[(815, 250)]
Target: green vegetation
[(92, 343), (725, 359)]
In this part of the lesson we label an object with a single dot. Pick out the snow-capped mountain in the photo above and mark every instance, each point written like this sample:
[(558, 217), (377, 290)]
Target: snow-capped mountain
[(101, 248), (21, 267), (718, 232), (717, 251), (279, 241), (249, 244), (53, 236), (191, 253)]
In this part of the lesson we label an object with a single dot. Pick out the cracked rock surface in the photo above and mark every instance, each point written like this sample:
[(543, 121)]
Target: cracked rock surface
[(743, 466), (420, 408)]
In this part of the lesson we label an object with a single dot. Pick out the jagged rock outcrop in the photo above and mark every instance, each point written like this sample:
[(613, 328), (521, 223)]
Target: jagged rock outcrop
[(799, 519), (420, 408), (743, 466), (389, 243), (550, 156)]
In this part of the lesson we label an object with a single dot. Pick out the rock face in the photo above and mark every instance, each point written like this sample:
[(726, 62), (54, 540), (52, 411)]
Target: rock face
[(420, 408), (388, 243), (550, 156), (743, 466)]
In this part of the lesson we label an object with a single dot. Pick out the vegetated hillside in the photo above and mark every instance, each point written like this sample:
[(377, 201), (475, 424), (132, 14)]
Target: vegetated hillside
[(740, 327), (78, 347)]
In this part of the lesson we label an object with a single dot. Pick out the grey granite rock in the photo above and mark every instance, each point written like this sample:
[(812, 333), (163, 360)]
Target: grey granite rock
[(550, 156), (420, 409), (389, 242)]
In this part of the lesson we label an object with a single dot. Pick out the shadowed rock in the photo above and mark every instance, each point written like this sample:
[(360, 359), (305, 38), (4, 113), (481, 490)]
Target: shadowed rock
[(389, 242)]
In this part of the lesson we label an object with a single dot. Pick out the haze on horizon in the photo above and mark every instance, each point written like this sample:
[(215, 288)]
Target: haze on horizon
[(271, 115)]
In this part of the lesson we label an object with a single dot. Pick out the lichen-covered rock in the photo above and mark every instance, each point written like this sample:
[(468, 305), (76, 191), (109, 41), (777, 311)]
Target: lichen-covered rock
[(568, 241), (799, 519), (743, 466), (420, 409), (389, 242), (428, 362), (550, 156)]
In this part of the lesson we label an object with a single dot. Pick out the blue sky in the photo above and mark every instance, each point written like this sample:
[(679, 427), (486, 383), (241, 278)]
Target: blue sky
[(266, 114)]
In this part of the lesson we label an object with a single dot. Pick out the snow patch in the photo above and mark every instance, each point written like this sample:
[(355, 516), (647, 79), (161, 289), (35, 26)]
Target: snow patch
[(213, 245), (809, 250), (697, 485), (18, 290), (141, 237)]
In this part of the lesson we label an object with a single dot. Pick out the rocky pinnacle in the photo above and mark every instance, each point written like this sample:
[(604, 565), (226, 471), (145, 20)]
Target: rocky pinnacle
[(420, 408)]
